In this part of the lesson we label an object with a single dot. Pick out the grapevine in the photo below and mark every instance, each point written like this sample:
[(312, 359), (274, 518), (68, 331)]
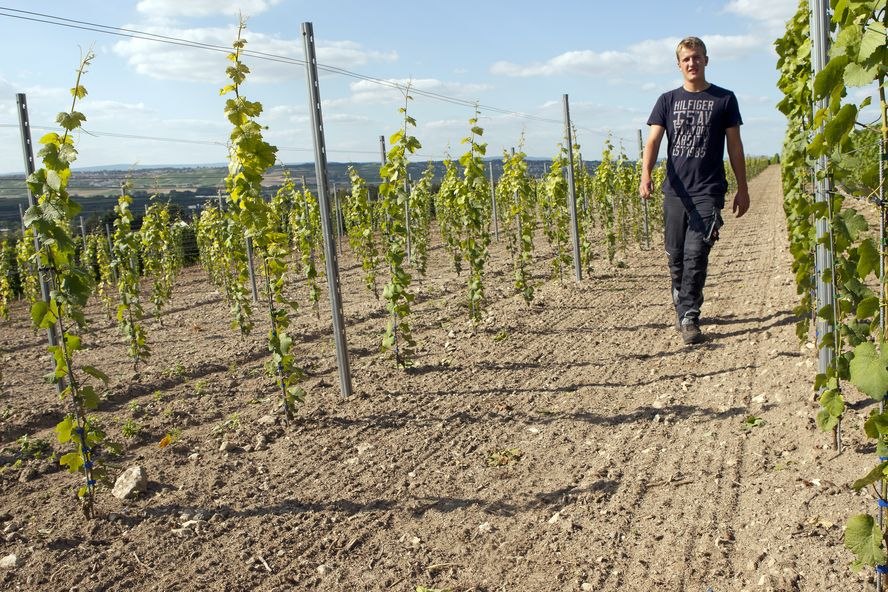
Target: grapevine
[(359, 220), (421, 198), (24, 259), (555, 215), (223, 252), (160, 252), (305, 224), (398, 335), (515, 199), (250, 157), (125, 263), (447, 213), (858, 57), (71, 285), (604, 192), (6, 294), (474, 204)]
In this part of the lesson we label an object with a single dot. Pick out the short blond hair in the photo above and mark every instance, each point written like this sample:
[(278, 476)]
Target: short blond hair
[(690, 43)]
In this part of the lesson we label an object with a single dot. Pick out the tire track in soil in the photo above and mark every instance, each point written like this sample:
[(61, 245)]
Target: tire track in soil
[(524, 354), (698, 526), (618, 451), (760, 268)]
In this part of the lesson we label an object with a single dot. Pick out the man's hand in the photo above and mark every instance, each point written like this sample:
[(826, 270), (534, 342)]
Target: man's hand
[(741, 202), (645, 189)]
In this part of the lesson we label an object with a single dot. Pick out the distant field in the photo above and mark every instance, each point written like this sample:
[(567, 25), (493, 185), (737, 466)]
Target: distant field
[(97, 191)]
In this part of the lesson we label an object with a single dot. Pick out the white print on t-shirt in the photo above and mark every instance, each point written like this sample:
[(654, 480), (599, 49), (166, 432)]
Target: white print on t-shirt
[(691, 124)]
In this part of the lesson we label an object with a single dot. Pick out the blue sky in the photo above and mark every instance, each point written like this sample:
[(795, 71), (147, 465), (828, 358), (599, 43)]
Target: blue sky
[(612, 59)]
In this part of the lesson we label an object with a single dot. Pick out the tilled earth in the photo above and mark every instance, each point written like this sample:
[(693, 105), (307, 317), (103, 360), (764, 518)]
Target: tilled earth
[(574, 444)]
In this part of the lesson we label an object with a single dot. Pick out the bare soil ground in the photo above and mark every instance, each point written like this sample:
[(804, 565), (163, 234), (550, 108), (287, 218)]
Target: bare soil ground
[(574, 444)]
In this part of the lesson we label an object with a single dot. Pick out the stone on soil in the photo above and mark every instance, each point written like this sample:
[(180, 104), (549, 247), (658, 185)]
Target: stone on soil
[(131, 481)]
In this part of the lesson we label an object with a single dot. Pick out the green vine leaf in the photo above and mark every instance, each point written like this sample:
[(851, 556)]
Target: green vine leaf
[(868, 370), (868, 261), (858, 75), (864, 538), (830, 77), (72, 460), (64, 428), (839, 126), (868, 307), (876, 425), (872, 41)]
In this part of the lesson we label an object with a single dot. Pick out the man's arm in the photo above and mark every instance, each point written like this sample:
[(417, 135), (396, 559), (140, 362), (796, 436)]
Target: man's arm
[(649, 157), (738, 163)]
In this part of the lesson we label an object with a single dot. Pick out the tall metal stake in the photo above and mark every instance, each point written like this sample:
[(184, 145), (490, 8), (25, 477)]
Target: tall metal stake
[(28, 152), (823, 258), (314, 93), (644, 202), (382, 164), (381, 152), (572, 194)]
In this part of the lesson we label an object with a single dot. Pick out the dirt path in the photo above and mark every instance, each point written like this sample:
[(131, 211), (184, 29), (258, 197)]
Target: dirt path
[(624, 460)]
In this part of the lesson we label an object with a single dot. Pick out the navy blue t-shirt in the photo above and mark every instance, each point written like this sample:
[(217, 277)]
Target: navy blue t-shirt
[(695, 125)]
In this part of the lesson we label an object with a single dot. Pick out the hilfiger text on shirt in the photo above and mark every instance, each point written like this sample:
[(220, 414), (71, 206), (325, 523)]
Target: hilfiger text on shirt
[(690, 122)]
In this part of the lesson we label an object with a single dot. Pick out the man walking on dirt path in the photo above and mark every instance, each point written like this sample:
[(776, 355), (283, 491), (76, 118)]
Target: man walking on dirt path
[(697, 118)]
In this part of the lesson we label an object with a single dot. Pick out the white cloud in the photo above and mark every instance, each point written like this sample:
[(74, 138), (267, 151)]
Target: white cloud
[(165, 61), (650, 55), (103, 109), (772, 13), (446, 124), (368, 92), (161, 9), (348, 54)]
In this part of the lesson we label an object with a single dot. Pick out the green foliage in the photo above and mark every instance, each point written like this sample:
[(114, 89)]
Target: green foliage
[(398, 335), (161, 247), (6, 293), (501, 458), (28, 448), (130, 428), (447, 213), (858, 57), (421, 201), (864, 538), (473, 202), (25, 256), (515, 199), (868, 369), (555, 215), (305, 224), (71, 285), (604, 191), (98, 262), (223, 253), (752, 421), (250, 157), (359, 217), (125, 263)]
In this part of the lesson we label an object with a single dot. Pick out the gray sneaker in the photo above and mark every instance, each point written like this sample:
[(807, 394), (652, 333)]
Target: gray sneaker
[(691, 334)]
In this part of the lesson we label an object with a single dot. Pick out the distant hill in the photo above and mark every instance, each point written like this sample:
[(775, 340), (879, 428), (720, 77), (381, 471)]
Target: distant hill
[(188, 186)]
